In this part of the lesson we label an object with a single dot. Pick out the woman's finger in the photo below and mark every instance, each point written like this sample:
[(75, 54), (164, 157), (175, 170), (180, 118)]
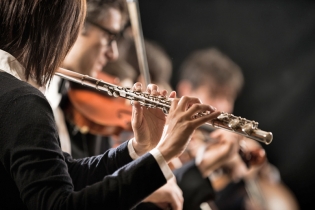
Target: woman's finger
[(137, 87), (199, 108), (185, 102), (174, 104), (152, 89), (163, 93), (205, 118), (172, 95)]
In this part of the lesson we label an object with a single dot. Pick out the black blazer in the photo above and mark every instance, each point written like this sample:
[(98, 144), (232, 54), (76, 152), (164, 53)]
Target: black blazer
[(36, 174)]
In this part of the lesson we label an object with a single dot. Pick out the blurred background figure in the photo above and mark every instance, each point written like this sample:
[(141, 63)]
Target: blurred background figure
[(273, 42), (214, 78), (123, 72), (159, 62), (211, 76)]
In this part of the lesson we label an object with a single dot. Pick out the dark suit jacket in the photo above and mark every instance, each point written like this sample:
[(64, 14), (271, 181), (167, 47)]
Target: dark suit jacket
[(36, 174)]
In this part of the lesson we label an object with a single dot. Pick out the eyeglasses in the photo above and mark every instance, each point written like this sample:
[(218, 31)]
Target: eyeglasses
[(112, 35)]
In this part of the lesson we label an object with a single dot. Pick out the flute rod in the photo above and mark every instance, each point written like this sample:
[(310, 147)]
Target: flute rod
[(225, 121)]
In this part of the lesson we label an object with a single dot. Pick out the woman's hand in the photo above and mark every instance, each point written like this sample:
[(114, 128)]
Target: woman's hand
[(147, 123), (181, 123)]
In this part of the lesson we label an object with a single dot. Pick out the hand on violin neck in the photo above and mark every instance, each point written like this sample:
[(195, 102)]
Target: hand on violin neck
[(147, 123), (243, 164), (216, 153), (253, 156)]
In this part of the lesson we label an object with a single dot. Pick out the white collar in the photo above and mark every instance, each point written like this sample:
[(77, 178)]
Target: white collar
[(12, 66)]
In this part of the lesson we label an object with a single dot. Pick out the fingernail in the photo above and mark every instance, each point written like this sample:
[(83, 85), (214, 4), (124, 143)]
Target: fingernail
[(138, 87)]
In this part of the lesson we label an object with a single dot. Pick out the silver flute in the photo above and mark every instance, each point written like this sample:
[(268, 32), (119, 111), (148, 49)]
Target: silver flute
[(225, 121)]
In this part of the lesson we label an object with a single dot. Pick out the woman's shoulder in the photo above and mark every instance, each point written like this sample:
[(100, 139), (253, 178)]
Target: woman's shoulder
[(16, 94), (12, 87)]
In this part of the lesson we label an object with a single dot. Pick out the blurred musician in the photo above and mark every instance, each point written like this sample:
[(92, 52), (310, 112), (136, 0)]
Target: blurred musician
[(217, 80)]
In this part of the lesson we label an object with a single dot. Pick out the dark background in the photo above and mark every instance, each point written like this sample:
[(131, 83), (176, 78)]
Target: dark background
[(273, 42)]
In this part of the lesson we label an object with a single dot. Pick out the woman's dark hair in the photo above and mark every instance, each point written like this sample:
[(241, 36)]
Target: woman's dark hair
[(39, 33)]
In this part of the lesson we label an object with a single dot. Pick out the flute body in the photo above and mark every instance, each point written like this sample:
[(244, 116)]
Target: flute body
[(225, 121)]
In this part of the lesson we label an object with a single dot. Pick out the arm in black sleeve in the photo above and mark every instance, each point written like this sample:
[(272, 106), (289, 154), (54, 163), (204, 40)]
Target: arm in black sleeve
[(90, 170), (30, 152), (196, 189)]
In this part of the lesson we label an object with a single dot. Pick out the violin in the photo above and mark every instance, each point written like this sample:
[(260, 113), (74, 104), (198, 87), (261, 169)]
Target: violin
[(97, 113)]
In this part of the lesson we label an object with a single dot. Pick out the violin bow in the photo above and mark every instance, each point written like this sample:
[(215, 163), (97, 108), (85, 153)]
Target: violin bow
[(134, 15)]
